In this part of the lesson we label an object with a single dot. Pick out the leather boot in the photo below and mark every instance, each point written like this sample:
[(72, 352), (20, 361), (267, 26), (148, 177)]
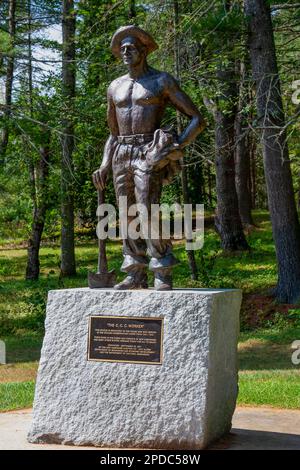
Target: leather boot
[(134, 280), (163, 279)]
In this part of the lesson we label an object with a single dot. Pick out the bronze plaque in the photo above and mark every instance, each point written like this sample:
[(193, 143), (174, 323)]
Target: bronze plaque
[(125, 339)]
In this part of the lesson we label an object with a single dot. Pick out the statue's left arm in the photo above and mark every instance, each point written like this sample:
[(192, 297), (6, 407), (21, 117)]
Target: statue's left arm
[(183, 103)]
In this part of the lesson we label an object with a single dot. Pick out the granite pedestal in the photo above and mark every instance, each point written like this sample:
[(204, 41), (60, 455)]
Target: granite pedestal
[(185, 403)]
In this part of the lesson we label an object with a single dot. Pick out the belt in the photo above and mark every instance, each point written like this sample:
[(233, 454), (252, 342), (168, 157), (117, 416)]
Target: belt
[(136, 139)]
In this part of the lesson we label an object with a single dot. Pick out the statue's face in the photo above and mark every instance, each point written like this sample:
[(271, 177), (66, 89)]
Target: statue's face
[(132, 51)]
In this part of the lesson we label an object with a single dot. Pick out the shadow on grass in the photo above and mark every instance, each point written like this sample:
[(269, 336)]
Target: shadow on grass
[(23, 349), (268, 349)]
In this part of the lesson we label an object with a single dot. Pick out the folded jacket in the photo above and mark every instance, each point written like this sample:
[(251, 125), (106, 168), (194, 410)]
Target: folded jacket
[(163, 149)]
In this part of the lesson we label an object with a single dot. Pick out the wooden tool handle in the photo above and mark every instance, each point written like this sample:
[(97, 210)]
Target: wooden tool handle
[(102, 260)]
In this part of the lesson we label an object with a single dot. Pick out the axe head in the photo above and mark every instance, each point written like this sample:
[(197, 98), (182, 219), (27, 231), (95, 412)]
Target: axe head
[(98, 280)]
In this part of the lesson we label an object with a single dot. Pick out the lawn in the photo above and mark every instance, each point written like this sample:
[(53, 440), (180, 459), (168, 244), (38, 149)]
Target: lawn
[(267, 375)]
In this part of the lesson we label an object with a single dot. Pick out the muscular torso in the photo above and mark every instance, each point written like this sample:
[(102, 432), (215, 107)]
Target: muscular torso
[(139, 104)]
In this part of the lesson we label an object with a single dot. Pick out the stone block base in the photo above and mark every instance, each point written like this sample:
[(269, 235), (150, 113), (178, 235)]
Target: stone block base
[(184, 403)]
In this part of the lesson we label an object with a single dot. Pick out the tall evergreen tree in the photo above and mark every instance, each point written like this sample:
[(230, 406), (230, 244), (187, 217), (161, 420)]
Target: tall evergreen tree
[(68, 265), (224, 109), (271, 121), (242, 151), (12, 4)]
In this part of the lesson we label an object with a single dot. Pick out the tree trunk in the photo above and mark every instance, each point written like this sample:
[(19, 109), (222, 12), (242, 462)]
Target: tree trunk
[(242, 157), (196, 179), (68, 266), (252, 147), (298, 193), (184, 178), (9, 77), (227, 219), (282, 206), (209, 186), (132, 10), (38, 176), (40, 209), (30, 80)]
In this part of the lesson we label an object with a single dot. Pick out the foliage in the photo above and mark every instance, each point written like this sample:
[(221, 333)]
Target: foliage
[(206, 35)]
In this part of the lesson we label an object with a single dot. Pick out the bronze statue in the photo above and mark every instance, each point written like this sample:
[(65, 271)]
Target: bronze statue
[(143, 156)]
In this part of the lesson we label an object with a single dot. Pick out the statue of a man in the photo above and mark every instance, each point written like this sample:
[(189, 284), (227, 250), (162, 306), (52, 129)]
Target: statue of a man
[(143, 156)]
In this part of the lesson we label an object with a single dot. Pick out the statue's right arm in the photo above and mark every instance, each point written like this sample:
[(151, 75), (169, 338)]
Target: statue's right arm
[(100, 175), (111, 142)]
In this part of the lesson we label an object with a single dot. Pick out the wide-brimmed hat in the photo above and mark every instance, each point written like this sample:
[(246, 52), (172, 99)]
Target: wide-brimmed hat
[(133, 31)]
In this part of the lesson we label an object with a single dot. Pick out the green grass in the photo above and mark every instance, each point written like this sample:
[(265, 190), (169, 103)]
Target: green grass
[(267, 376), (16, 395), (275, 388)]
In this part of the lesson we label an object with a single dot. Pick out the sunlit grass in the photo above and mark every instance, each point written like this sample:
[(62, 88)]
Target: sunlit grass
[(277, 388), (14, 396)]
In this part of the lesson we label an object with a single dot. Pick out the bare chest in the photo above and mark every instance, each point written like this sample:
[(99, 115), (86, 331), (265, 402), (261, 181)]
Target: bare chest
[(131, 93)]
